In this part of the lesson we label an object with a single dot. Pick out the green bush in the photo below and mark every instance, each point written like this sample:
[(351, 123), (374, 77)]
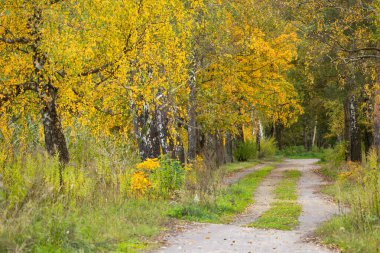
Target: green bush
[(293, 150), (337, 155), (245, 151), (169, 177), (268, 148)]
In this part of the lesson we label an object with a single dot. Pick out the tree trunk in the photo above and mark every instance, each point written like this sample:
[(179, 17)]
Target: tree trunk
[(192, 134), (376, 114), (355, 140), (219, 149), (278, 135), (305, 145), (347, 128), (162, 128), (368, 140), (314, 134), (229, 157), (146, 133), (240, 136), (55, 141), (178, 151), (258, 137)]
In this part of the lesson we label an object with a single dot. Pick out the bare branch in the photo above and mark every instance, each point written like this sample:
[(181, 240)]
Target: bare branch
[(362, 49)]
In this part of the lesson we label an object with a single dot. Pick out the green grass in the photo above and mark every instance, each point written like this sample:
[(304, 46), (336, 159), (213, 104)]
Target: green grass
[(284, 212), (102, 227), (281, 215), (307, 155), (299, 152), (340, 232), (287, 188), (230, 201), (329, 172), (237, 166)]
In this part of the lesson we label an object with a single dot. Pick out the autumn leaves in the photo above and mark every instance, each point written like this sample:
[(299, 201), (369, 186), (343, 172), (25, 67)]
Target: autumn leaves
[(162, 73)]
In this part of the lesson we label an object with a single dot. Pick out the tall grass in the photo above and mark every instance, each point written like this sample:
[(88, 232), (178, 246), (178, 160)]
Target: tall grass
[(91, 212), (357, 187)]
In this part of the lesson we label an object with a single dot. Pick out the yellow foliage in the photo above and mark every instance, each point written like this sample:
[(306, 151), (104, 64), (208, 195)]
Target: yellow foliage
[(140, 184), (149, 164)]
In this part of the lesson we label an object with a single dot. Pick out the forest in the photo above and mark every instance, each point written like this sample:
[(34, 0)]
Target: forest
[(123, 121)]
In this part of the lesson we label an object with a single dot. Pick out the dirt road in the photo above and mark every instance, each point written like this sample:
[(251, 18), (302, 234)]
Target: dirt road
[(235, 237)]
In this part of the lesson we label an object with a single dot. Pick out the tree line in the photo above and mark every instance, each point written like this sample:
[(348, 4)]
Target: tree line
[(176, 76)]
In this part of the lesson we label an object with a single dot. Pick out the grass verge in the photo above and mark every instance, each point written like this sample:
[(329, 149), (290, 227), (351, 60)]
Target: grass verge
[(234, 167), (340, 232), (228, 202), (284, 212), (102, 227), (357, 187)]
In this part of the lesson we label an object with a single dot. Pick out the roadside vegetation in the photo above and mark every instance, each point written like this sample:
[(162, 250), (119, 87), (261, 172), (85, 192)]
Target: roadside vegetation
[(285, 211), (355, 187), (227, 202), (230, 168), (108, 200), (299, 152), (116, 116)]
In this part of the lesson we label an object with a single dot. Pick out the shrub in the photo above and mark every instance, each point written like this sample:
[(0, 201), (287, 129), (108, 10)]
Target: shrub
[(168, 177), (268, 148), (245, 150), (293, 150)]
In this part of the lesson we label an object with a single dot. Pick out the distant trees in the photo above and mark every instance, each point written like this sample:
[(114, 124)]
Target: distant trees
[(342, 36)]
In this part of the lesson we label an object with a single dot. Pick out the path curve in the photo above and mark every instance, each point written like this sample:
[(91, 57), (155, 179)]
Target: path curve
[(218, 238)]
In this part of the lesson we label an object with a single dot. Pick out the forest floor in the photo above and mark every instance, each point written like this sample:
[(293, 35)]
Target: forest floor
[(238, 237)]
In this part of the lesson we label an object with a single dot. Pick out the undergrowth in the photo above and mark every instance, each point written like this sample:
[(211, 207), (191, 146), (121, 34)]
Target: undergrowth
[(356, 189), (227, 202)]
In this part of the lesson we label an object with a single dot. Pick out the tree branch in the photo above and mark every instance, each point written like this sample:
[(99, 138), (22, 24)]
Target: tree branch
[(21, 40), (20, 88)]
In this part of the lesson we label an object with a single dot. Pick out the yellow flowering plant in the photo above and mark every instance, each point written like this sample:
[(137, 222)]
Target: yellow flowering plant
[(140, 184), (149, 164)]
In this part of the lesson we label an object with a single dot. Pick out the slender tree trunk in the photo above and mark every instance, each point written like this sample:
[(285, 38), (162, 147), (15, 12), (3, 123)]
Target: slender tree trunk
[(367, 126), (229, 157), (376, 113), (219, 149), (258, 137), (305, 138), (177, 150), (368, 140), (347, 128), (154, 145), (278, 135), (162, 128), (355, 140), (240, 137), (192, 134), (146, 133), (314, 134), (55, 141)]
